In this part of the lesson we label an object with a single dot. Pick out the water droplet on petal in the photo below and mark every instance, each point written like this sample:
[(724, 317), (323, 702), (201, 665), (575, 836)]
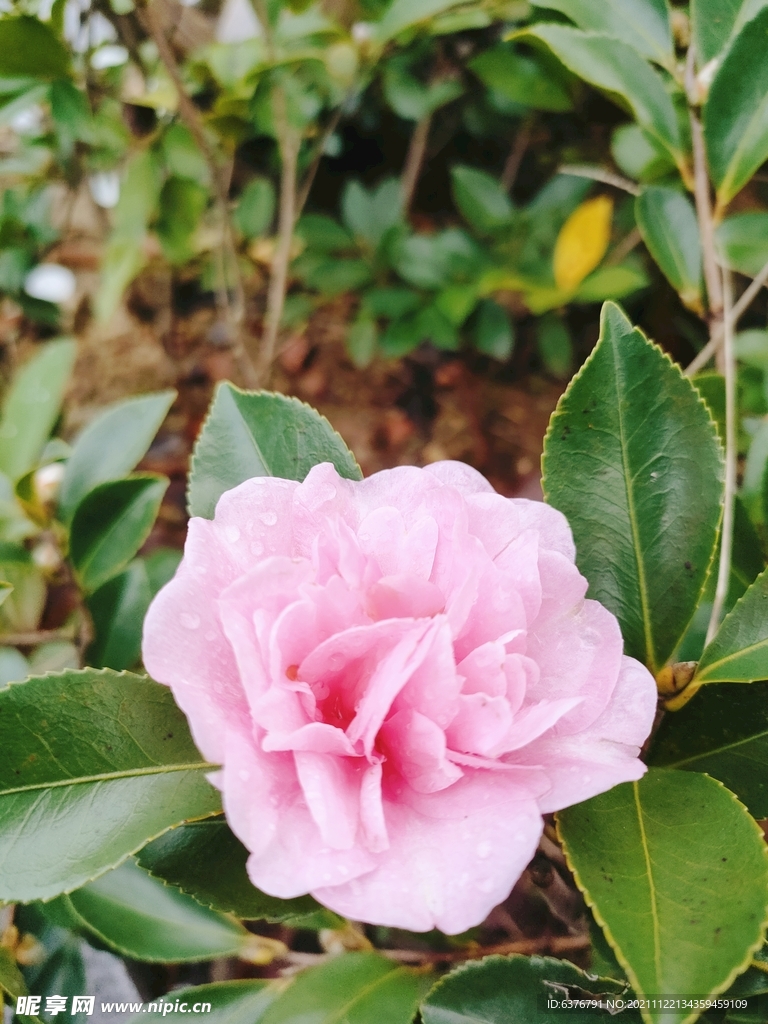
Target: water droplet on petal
[(244, 775), (485, 885), (232, 534), (189, 621), (268, 518), (484, 849)]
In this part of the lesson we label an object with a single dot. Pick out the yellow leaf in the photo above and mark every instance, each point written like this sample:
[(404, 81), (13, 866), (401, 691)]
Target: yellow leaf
[(582, 242)]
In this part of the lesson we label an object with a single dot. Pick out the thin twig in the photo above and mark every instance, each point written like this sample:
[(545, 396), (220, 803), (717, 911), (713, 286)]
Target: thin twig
[(414, 161), (36, 636), (600, 174), (309, 178), (553, 944), (726, 533), (289, 141), (516, 154), (749, 295), (194, 122), (625, 247)]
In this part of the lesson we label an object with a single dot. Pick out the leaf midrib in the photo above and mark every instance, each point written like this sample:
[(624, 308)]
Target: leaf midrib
[(741, 653), (338, 1016), (128, 773), (719, 750), (651, 888), (641, 581)]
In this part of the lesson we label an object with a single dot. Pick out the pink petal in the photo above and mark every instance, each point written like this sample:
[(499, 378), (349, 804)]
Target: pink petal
[(404, 596), (416, 747), (481, 723), (532, 721), (497, 520), (331, 787), (459, 476), (453, 856), (372, 820), (315, 736)]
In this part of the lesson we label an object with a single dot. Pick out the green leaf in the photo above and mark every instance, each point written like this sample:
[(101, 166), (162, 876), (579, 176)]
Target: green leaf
[(494, 332), (362, 336), (503, 990), (743, 242), (520, 79), (638, 154), (123, 259), (403, 14), (410, 98), (141, 918), (94, 765), (676, 872), (205, 860), (251, 434), (712, 22), (642, 24), (618, 69), (161, 567), (182, 156), (111, 523), (117, 609), (61, 973), (23, 607), (182, 204), (555, 345), (32, 406), (610, 283), (667, 222), (228, 1002), (722, 731), (255, 209), (738, 653), (28, 47), (111, 445), (357, 988), (736, 111), (370, 215), (324, 233), (480, 199), (633, 460), (334, 276)]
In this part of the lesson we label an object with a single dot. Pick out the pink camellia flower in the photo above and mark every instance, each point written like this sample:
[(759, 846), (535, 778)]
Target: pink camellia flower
[(399, 676)]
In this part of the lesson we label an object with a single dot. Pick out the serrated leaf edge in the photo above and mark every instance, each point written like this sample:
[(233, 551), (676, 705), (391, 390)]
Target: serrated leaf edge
[(259, 392), (623, 962), (556, 416)]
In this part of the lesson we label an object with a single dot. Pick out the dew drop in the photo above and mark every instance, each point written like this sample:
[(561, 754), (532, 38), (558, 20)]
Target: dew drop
[(268, 518), (244, 775), (485, 885), (336, 661), (232, 534), (257, 548), (189, 621), (484, 849)]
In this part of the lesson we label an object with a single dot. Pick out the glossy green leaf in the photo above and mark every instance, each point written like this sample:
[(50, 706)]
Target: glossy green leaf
[(738, 653), (140, 917), (255, 209), (736, 111), (117, 609), (743, 241), (94, 765), (357, 988), (403, 14), (618, 69), (111, 445), (205, 860), (722, 731), (32, 406), (642, 24), (519, 78), (676, 872), (61, 973), (111, 523), (633, 460), (610, 283), (480, 199), (251, 434), (29, 47), (502, 990), (224, 1002), (712, 22), (667, 221), (494, 332)]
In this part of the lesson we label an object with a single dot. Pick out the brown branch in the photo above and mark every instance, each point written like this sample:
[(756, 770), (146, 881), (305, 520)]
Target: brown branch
[(516, 154), (552, 944), (219, 180), (32, 637), (414, 161)]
